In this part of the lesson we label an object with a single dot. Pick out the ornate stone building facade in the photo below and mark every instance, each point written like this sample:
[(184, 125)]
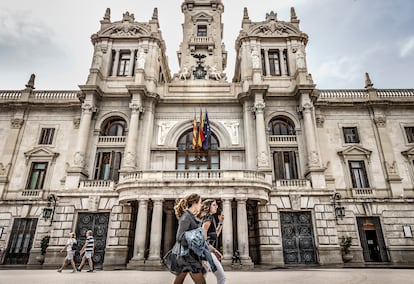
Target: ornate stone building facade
[(293, 167)]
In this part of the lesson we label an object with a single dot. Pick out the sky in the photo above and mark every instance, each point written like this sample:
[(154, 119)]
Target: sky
[(51, 38)]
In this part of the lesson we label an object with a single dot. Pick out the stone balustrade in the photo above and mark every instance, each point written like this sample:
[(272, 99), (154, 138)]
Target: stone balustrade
[(97, 184), (295, 184), (365, 95), (111, 140), (201, 40), (343, 94), (193, 175), (31, 194), (275, 140), (363, 192), (395, 93), (10, 95), (55, 95)]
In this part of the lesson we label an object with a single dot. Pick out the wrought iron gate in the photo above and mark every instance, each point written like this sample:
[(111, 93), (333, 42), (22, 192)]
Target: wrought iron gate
[(21, 240), (297, 236), (98, 224)]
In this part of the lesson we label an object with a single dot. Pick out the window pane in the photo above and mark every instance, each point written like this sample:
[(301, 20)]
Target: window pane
[(350, 134), (409, 131), (202, 30)]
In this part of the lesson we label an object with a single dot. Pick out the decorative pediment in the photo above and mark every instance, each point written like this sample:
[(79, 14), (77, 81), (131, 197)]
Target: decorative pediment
[(41, 153), (126, 28), (409, 153), (355, 151), (273, 28), (202, 17)]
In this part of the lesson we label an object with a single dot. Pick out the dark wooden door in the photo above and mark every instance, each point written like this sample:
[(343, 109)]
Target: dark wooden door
[(21, 240), (297, 237), (98, 224), (372, 239)]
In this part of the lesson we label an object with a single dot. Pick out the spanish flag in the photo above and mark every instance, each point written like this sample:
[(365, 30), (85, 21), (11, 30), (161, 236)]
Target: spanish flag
[(200, 139), (193, 145)]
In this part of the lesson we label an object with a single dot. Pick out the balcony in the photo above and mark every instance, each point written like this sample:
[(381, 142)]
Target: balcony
[(283, 140), (207, 183), (30, 194), (201, 41), (292, 184), (111, 141), (108, 185), (363, 192)]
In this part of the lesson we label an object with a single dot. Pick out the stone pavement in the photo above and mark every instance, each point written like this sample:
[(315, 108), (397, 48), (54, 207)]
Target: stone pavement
[(291, 276)]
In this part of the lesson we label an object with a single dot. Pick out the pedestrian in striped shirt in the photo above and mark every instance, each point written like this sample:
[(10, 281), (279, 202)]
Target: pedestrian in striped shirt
[(87, 251)]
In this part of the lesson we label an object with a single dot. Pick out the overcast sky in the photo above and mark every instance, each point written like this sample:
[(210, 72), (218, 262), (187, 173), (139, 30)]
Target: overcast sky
[(347, 38)]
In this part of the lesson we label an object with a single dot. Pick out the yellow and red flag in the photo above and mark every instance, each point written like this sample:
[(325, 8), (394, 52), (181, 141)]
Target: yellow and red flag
[(193, 145), (200, 138)]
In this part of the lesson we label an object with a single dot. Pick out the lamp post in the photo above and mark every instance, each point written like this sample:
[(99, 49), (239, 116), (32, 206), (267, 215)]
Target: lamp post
[(339, 209), (49, 212)]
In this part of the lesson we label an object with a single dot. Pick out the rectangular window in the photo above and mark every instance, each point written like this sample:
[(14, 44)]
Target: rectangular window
[(350, 134), (274, 63), (107, 165), (124, 62), (262, 53), (358, 174), (46, 136), (285, 165), (285, 62), (202, 30), (409, 131), (37, 176)]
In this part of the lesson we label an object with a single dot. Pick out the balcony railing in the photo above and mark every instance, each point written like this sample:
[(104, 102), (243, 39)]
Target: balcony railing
[(277, 140), (289, 184), (363, 192), (201, 40), (194, 176), (31, 194), (111, 140), (10, 95), (97, 184)]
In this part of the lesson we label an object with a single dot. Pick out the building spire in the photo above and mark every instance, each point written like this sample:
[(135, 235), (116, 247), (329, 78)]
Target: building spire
[(368, 82), (155, 14), (31, 82)]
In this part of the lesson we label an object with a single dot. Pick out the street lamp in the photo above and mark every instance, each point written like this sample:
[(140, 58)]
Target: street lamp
[(48, 211), (339, 209)]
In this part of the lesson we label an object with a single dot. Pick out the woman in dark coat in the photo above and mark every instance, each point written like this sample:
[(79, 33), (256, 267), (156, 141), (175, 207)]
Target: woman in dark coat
[(186, 210)]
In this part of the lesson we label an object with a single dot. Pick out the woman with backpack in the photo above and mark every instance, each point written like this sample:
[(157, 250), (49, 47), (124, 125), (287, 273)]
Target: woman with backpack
[(70, 248)]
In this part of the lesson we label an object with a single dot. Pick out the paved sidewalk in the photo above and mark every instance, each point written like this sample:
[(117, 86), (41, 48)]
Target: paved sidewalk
[(305, 276)]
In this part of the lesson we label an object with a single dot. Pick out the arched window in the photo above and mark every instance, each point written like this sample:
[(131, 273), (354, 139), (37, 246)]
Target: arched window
[(281, 125), (114, 126), (189, 159)]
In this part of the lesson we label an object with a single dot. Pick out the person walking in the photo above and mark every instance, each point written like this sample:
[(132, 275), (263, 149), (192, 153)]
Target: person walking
[(212, 231), (70, 252), (87, 251), (186, 210)]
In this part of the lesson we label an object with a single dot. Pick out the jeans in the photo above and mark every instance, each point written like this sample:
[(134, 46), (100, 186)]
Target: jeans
[(221, 278)]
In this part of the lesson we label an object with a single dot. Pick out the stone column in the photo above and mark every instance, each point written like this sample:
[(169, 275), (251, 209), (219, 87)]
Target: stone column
[(315, 171), (242, 233), (267, 64), (141, 230), (227, 230), (156, 230), (115, 63), (83, 135), (131, 63), (313, 155), (131, 143), (390, 162), (261, 139), (146, 141), (248, 136), (169, 237)]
